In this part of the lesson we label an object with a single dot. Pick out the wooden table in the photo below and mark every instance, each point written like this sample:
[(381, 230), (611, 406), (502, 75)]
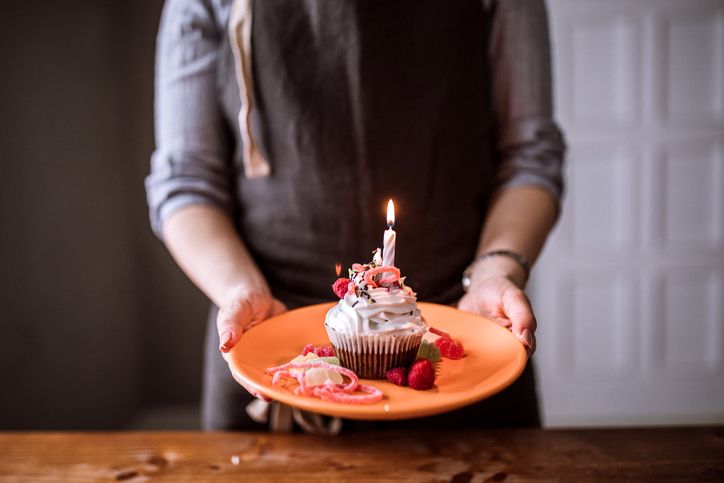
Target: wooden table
[(683, 454)]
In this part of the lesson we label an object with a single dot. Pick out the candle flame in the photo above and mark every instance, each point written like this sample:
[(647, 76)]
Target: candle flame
[(390, 213), (338, 268)]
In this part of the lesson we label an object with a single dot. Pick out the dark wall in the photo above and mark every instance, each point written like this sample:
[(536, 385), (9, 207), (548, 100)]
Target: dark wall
[(95, 320)]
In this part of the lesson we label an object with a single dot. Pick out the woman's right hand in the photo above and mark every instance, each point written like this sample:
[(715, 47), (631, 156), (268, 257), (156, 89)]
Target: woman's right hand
[(242, 309), (204, 241)]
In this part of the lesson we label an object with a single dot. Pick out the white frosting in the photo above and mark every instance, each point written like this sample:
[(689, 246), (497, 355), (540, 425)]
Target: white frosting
[(376, 311)]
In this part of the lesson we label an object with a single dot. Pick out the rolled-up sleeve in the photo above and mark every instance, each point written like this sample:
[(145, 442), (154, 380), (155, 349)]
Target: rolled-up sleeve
[(190, 163), (530, 146)]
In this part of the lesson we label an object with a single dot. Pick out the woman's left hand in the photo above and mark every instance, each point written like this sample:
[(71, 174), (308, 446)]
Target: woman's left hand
[(500, 299)]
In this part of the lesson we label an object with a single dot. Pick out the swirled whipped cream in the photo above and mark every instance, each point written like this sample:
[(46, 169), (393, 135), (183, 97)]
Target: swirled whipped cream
[(376, 301)]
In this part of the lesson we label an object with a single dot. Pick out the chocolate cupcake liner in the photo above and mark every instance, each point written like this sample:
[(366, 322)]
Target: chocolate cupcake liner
[(370, 356)]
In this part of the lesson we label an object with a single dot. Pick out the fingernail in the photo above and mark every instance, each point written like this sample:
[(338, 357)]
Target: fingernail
[(225, 339), (527, 338)]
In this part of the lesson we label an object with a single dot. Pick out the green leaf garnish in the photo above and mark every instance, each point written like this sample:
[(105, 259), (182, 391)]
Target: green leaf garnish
[(429, 351)]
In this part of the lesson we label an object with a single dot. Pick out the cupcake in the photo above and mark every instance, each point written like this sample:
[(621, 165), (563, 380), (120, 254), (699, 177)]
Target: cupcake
[(376, 325)]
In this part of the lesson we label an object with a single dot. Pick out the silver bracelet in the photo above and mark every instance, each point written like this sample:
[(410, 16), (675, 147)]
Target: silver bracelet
[(517, 257)]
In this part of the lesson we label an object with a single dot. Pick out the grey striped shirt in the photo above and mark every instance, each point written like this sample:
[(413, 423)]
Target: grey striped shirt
[(198, 140)]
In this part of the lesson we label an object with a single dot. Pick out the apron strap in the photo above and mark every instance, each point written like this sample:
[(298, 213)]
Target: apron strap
[(240, 21), (281, 418)]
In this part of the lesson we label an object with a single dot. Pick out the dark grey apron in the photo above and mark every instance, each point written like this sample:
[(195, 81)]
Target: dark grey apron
[(358, 101)]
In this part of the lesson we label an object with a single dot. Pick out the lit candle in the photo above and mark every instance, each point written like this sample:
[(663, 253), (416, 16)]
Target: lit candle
[(388, 251)]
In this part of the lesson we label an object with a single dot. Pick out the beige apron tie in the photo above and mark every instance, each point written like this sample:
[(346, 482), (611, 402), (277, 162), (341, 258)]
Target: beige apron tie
[(240, 36), (281, 418)]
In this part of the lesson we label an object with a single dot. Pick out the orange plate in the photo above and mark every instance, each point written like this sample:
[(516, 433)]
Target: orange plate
[(494, 360)]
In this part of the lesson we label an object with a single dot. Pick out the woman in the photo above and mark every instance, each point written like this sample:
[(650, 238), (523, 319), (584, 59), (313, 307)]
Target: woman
[(284, 125)]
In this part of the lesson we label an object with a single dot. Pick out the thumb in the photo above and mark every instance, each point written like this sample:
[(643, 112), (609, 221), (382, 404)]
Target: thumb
[(467, 304), (277, 308), (262, 308), (231, 322), (520, 313)]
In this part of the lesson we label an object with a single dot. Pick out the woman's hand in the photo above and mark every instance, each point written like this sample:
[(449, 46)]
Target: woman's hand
[(495, 293), (203, 240), (243, 309)]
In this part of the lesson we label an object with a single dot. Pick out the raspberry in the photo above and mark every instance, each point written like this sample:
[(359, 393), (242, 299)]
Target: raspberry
[(421, 375), (324, 351), (339, 287), (397, 376), (450, 348), (307, 349)]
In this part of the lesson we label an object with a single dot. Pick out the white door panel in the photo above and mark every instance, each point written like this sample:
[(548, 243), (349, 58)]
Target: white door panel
[(629, 292)]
